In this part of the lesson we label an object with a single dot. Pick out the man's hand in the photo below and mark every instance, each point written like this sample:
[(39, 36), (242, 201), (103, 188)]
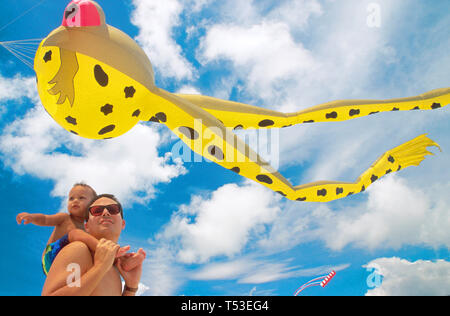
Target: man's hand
[(105, 253), (27, 218)]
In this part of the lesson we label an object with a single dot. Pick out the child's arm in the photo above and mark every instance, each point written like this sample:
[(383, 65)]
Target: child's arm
[(41, 219), (91, 241)]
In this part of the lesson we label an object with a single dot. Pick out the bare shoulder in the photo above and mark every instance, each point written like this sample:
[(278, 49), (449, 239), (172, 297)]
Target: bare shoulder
[(73, 253)]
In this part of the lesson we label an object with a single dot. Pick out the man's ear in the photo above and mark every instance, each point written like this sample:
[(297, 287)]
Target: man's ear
[(123, 224)]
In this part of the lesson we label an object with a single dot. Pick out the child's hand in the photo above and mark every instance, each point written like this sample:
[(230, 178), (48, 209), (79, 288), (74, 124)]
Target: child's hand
[(27, 218), (122, 251), (132, 260)]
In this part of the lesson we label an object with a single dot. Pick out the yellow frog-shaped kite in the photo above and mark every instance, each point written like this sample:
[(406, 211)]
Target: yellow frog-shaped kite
[(96, 82)]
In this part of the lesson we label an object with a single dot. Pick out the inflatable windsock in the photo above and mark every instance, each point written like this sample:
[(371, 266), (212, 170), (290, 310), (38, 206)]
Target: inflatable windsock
[(97, 82)]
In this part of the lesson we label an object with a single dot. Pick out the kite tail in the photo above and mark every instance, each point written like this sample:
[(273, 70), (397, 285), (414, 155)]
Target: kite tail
[(411, 153), (349, 109), (237, 115)]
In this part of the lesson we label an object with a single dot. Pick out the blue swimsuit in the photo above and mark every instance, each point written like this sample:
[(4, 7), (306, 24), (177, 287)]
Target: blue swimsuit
[(51, 251)]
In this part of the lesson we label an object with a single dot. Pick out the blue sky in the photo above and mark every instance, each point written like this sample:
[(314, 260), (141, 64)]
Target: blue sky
[(207, 231)]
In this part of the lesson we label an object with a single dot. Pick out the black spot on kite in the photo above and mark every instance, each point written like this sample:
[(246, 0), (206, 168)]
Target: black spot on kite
[(395, 109), (100, 76), (188, 132), (436, 106), (71, 120), (236, 169), (129, 92), (216, 152), (322, 192), (107, 129), (416, 108), (388, 171), (391, 159), (238, 127), (266, 123), (48, 56), (339, 191), (283, 194), (350, 193), (158, 118), (310, 121), (372, 113), (373, 178), (363, 188), (264, 178), (136, 113), (331, 115), (106, 109), (399, 168), (354, 112), (73, 132), (162, 117), (302, 199)]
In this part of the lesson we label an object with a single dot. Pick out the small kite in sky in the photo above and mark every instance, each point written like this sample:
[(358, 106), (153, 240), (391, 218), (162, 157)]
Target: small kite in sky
[(320, 281)]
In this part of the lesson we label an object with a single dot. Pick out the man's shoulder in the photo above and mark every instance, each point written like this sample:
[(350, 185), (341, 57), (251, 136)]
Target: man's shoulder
[(75, 252)]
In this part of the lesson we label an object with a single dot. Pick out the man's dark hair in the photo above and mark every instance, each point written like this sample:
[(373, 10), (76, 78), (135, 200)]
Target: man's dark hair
[(109, 196)]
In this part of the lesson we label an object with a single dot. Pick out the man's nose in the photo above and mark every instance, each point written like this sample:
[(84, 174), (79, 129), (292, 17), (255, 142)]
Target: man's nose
[(105, 212)]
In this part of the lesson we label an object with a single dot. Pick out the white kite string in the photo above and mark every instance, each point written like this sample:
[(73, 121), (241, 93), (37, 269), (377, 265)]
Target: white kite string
[(23, 50)]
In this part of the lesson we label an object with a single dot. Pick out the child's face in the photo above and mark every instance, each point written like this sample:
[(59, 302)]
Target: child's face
[(79, 198)]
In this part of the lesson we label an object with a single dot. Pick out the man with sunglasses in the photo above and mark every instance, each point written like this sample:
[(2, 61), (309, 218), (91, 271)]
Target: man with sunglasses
[(78, 272)]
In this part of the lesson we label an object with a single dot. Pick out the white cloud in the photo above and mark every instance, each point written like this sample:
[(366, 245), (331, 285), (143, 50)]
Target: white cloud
[(404, 278), (221, 224), (17, 88), (389, 204), (156, 21), (128, 166), (282, 66), (161, 274), (248, 270), (395, 214), (187, 89), (264, 54), (296, 13)]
